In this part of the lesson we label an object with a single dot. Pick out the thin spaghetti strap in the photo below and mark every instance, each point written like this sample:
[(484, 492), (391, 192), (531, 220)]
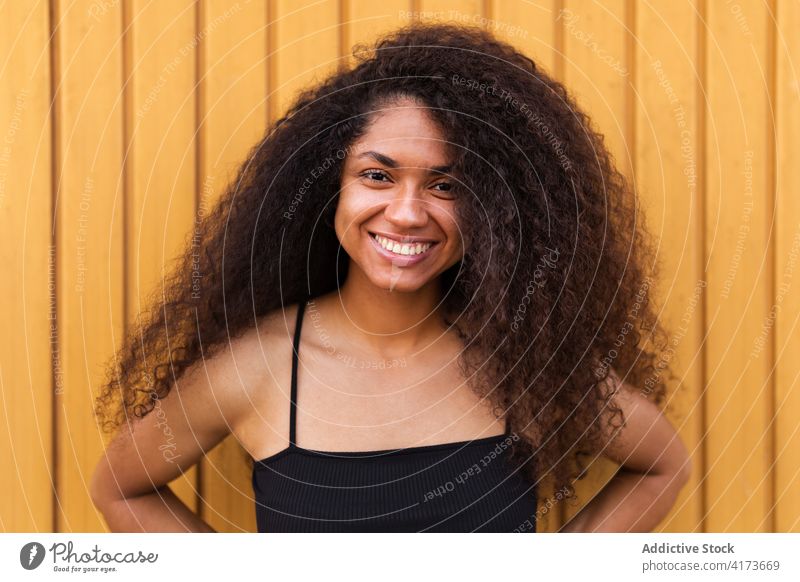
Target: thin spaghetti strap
[(301, 306)]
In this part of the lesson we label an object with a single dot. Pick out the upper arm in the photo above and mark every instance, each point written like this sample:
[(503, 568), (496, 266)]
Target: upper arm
[(197, 413), (647, 441)]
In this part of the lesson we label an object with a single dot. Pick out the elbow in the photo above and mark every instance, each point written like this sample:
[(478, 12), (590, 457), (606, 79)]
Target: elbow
[(96, 491), (99, 486), (683, 471)]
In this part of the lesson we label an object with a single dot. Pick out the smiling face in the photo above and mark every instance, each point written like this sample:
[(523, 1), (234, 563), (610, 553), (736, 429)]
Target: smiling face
[(396, 212)]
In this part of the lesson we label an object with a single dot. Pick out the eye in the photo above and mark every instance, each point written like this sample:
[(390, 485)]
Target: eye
[(446, 190), (375, 175)]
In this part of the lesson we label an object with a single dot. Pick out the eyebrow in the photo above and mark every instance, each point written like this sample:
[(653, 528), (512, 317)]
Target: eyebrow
[(391, 163)]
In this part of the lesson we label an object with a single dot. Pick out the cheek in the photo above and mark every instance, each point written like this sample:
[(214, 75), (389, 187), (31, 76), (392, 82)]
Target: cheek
[(446, 217), (351, 210), (456, 238)]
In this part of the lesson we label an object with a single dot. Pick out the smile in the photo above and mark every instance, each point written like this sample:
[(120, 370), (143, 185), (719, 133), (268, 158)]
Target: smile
[(400, 248), (402, 254)]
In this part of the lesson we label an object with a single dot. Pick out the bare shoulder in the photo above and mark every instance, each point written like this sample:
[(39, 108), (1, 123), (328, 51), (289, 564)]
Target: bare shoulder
[(240, 372), (266, 349), (224, 391), (273, 335), (262, 358), (277, 324)]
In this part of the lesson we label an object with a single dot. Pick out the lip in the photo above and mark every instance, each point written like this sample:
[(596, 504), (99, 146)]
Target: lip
[(401, 260)]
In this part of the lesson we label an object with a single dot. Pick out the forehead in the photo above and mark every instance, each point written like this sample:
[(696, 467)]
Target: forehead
[(406, 132)]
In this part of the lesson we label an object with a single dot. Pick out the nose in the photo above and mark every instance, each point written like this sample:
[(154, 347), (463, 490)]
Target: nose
[(407, 209)]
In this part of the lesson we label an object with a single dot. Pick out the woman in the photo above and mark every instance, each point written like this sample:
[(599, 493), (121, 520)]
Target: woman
[(474, 281)]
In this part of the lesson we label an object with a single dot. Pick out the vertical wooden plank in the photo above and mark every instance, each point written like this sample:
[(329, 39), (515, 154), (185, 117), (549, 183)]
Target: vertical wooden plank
[(529, 26), (787, 271), (88, 166), (232, 117), (596, 70), (463, 11), (739, 211), (666, 159), (160, 160), (26, 384), (304, 47), (363, 22)]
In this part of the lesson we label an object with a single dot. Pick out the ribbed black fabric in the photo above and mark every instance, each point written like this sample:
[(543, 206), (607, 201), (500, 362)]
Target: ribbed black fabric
[(467, 486)]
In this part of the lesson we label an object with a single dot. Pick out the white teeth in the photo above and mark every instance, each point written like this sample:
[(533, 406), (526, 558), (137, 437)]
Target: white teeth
[(402, 249)]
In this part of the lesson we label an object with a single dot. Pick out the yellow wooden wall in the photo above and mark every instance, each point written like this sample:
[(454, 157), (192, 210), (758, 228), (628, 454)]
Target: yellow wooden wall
[(121, 120)]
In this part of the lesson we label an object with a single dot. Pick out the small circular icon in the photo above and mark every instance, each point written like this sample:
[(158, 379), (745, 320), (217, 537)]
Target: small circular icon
[(31, 555)]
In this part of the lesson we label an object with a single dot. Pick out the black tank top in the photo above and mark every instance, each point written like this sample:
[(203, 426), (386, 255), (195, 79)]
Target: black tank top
[(464, 486)]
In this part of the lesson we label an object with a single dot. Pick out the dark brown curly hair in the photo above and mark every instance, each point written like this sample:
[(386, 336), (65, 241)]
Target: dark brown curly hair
[(551, 296)]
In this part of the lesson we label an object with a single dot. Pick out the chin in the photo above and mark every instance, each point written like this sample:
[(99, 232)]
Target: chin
[(400, 283)]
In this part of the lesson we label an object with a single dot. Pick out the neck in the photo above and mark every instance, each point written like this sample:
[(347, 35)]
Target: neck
[(391, 323)]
